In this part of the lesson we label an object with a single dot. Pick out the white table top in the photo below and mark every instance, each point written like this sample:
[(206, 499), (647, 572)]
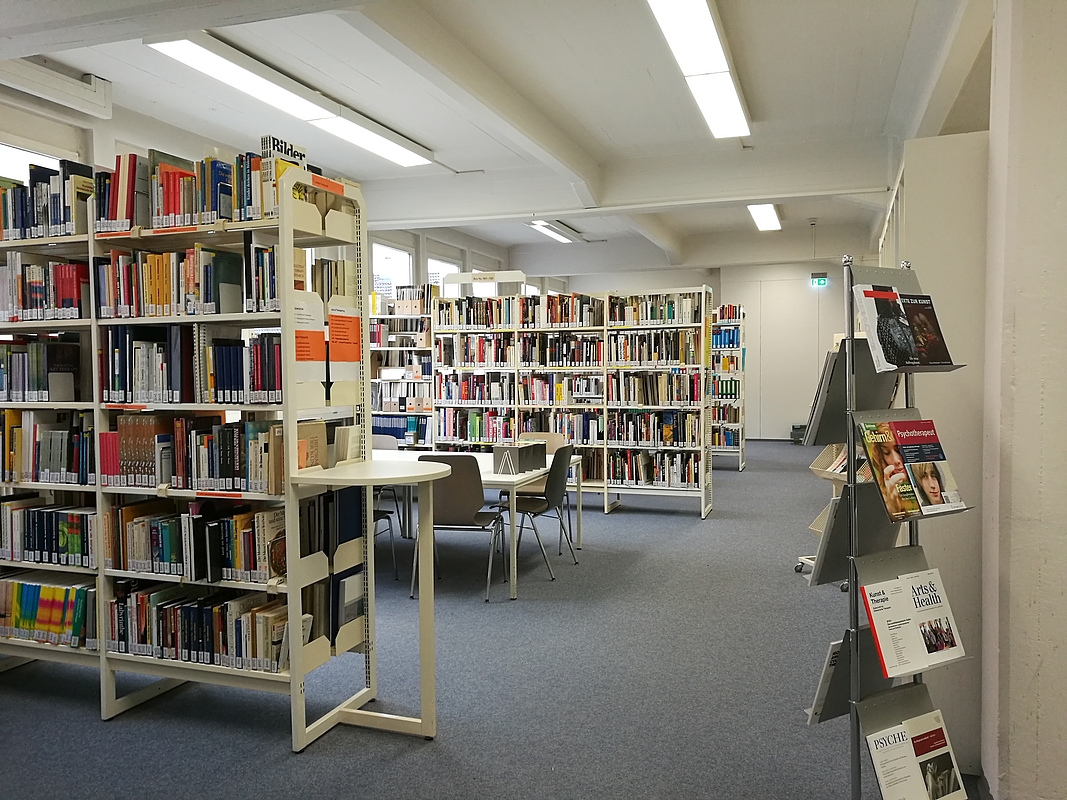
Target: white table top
[(377, 472), (495, 480)]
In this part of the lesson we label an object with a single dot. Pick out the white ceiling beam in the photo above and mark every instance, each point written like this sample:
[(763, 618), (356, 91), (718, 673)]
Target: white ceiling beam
[(767, 174), (91, 95), (973, 28), (653, 228), (406, 31), (31, 27)]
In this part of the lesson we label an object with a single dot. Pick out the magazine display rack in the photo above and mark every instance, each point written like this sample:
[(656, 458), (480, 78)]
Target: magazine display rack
[(319, 377), (858, 538)]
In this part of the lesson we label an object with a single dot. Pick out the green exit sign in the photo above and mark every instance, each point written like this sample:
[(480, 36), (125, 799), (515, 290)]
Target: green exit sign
[(818, 279)]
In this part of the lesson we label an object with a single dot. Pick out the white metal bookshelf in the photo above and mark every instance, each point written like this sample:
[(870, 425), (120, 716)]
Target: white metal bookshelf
[(315, 213), (645, 465), (727, 385), (404, 335)]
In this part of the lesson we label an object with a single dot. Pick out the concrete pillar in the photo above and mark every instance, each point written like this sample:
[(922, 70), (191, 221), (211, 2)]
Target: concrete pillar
[(943, 234), (1024, 725)]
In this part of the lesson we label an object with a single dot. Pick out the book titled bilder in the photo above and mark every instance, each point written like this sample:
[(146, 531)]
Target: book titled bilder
[(902, 329), (914, 761), (912, 623)]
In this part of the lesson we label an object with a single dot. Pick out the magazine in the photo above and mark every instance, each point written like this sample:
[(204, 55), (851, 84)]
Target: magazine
[(910, 468), (914, 761), (902, 329), (828, 668), (912, 623)]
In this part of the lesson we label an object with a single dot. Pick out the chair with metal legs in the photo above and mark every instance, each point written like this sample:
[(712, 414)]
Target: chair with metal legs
[(458, 505), (553, 442), (551, 501)]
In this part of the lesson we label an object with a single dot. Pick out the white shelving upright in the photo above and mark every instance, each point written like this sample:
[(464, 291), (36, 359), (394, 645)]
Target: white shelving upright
[(728, 409)]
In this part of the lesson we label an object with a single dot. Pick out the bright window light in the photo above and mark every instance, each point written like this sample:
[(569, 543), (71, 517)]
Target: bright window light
[(15, 162), (391, 267), (437, 270), (484, 288), (203, 60), (541, 227), (690, 32), (765, 216), (368, 140), (719, 103)]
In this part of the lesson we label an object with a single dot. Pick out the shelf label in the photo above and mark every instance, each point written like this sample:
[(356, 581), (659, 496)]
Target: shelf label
[(327, 184), (309, 334), (346, 343)]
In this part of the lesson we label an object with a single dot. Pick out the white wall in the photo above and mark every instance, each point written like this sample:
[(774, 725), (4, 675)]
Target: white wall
[(944, 237), (790, 327)]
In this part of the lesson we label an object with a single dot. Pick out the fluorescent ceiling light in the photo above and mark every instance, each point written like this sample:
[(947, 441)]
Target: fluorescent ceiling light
[(719, 103), (689, 28), (765, 216), (215, 58), (690, 32), (557, 230), (368, 140), (541, 227), (203, 60)]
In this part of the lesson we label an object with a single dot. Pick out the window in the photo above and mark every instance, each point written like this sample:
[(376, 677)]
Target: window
[(391, 267), (15, 162), (437, 270), (530, 290)]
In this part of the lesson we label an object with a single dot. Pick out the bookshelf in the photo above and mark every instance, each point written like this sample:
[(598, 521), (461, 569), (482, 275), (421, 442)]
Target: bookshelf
[(624, 378), (860, 543), (401, 337), (726, 407), (177, 339)]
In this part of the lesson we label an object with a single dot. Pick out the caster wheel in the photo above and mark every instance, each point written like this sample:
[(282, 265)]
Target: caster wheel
[(844, 587), (798, 568)]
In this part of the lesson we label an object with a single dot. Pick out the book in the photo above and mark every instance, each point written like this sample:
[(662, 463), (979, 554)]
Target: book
[(902, 329), (910, 467), (914, 761), (912, 623)]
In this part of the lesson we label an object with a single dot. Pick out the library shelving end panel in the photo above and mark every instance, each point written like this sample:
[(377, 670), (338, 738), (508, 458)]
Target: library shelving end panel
[(323, 344)]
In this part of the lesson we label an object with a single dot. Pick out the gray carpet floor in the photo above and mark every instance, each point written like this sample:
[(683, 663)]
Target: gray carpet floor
[(674, 661)]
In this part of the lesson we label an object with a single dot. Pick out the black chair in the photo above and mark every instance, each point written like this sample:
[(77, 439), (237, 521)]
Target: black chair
[(530, 507)]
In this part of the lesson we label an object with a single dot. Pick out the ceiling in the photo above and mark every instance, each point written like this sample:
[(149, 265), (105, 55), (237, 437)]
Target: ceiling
[(569, 109)]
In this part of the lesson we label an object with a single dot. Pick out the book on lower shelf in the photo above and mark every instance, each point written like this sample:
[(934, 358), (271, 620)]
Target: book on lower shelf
[(910, 468), (45, 607), (207, 541), (912, 623), (48, 446), (39, 370), (197, 624), (915, 761), (33, 531), (902, 329)]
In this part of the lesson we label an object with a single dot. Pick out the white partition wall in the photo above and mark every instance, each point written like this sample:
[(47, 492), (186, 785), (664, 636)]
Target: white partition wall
[(790, 325)]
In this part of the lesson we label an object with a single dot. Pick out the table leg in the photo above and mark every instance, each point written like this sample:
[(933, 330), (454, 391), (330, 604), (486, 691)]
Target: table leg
[(427, 684), (578, 491), (512, 495), (409, 504)]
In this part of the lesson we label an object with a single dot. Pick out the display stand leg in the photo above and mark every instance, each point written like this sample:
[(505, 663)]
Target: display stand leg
[(514, 543), (855, 734)]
